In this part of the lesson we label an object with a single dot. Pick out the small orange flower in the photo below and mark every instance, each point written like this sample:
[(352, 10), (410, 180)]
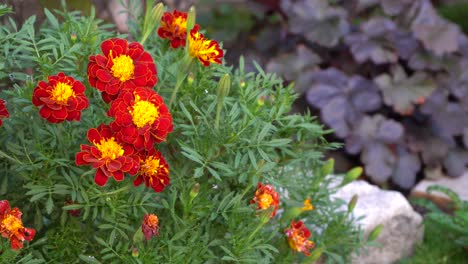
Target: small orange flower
[(265, 197), (11, 226), (3, 111), (174, 28), (154, 171), (61, 98), (298, 236), (150, 226), (307, 205), (205, 50)]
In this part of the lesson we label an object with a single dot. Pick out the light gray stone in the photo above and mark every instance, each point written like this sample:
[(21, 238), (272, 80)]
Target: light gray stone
[(403, 228)]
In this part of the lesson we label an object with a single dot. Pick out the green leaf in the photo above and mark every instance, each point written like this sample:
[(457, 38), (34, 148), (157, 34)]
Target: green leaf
[(51, 18)]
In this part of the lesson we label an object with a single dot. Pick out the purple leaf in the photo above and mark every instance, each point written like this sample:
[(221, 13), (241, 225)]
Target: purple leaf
[(389, 131), (455, 163), (402, 92), (334, 115), (407, 166), (373, 43), (292, 65), (436, 34), (379, 162), (394, 7), (405, 43)]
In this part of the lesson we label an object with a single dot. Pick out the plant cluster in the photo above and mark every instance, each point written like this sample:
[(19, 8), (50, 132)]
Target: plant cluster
[(89, 116), (445, 233), (389, 77)]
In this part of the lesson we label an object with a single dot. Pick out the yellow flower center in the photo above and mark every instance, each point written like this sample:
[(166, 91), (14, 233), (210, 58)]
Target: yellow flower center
[(109, 148), (12, 224), (123, 68), (152, 166), (61, 93), (199, 47), (143, 113), (180, 25), (265, 200)]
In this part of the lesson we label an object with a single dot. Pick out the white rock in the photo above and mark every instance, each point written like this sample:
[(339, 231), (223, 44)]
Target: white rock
[(403, 228)]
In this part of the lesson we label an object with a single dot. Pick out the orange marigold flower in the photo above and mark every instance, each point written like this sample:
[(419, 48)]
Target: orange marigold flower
[(109, 157), (141, 118), (150, 226), (62, 98), (154, 171), (265, 197), (298, 236), (3, 111), (174, 28), (11, 226), (205, 50), (123, 66)]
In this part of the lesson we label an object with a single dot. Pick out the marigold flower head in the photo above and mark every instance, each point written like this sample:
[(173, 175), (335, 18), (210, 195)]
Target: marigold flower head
[(265, 197), (150, 226), (174, 28), (11, 226), (109, 157), (3, 111), (123, 66), (62, 98), (205, 50), (154, 171), (298, 235), (141, 118)]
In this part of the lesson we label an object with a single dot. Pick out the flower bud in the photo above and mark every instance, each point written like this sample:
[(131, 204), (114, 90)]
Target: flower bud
[(135, 252), (375, 233), (191, 17), (352, 203), (352, 175), (194, 191), (223, 90), (327, 168)]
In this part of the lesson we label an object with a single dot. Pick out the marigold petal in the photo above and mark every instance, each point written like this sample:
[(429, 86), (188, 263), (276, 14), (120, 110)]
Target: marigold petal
[(100, 178)]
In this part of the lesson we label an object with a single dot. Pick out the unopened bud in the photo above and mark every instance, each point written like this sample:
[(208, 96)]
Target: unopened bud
[(352, 175), (73, 37), (242, 84), (191, 18), (375, 233), (135, 252), (352, 203), (327, 168), (224, 86), (190, 78), (195, 190), (156, 13)]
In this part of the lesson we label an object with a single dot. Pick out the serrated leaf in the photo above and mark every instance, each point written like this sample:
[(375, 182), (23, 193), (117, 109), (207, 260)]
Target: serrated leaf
[(403, 92)]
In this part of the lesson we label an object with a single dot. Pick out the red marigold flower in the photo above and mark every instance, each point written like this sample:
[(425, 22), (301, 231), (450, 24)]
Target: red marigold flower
[(298, 236), (123, 66), (11, 226), (3, 111), (265, 197), (141, 118), (150, 226), (62, 98), (174, 28), (109, 157), (205, 50), (154, 171)]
